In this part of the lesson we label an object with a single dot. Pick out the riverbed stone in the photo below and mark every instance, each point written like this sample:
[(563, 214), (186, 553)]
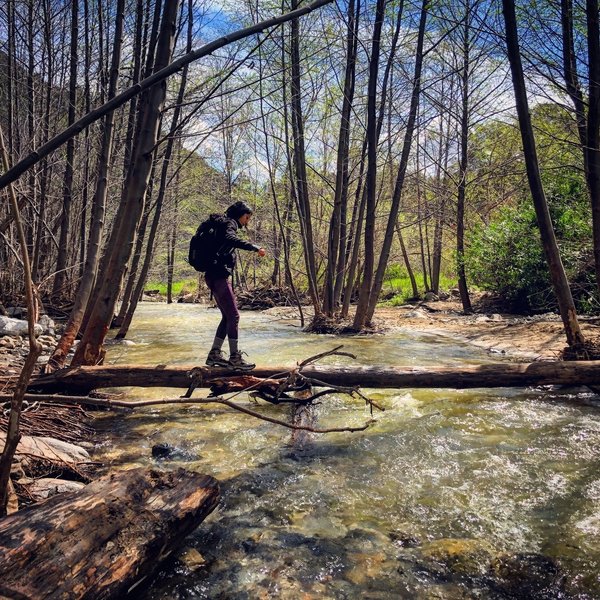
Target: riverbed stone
[(8, 343), (192, 559), (46, 487), (47, 324), (14, 327), (463, 556), (530, 575)]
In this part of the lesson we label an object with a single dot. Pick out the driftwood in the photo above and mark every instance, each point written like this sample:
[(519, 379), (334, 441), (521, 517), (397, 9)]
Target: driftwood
[(84, 379), (102, 541)]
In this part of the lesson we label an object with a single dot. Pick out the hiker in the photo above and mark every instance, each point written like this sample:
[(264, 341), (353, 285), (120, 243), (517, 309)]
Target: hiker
[(219, 282)]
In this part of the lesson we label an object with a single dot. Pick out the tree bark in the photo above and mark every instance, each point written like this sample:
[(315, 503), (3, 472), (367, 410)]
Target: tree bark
[(463, 168), (85, 379), (558, 276), (373, 295), (65, 224), (337, 227), (57, 360), (360, 317), (299, 155), (90, 349), (103, 540)]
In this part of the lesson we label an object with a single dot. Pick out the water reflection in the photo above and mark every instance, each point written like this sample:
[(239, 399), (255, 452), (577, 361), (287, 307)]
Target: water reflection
[(453, 494)]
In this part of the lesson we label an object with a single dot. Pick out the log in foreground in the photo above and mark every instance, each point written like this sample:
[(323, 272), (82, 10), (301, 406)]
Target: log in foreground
[(103, 540), (84, 379)]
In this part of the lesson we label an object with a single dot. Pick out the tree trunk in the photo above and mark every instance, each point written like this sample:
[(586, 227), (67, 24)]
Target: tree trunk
[(360, 317), (57, 360), (593, 125), (337, 242), (373, 296), (409, 270), (463, 168), (299, 154), (103, 540), (65, 224), (90, 349), (558, 276), (84, 379)]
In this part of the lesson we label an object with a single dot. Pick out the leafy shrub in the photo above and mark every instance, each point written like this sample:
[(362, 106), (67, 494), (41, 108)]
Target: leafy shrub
[(507, 257)]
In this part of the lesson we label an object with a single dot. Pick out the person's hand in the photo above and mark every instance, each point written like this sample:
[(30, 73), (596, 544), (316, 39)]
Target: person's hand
[(261, 251)]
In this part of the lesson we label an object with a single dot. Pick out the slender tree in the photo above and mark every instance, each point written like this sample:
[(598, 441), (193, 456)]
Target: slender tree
[(558, 276)]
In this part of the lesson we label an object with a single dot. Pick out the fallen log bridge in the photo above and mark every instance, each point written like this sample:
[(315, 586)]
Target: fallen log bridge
[(103, 540), (574, 373)]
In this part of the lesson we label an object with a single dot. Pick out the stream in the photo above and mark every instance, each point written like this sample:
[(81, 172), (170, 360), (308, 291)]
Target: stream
[(450, 494)]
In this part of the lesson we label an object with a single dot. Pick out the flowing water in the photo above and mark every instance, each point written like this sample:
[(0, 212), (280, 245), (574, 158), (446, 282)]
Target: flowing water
[(450, 494)]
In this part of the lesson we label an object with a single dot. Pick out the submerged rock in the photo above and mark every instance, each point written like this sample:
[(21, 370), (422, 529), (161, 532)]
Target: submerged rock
[(527, 575), (468, 557)]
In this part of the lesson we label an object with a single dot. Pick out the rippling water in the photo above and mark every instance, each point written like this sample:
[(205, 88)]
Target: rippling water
[(451, 494)]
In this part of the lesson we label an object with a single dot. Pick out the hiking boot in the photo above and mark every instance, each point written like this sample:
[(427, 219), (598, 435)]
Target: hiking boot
[(237, 362), (215, 358)]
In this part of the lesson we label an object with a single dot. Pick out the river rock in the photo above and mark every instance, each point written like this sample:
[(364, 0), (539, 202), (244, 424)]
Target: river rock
[(49, 449), (8, 343), (13, 327), (47, 324), (417, 313), (192, 559), (468, 557), (528, 575), (431, 297), (187, 299), (46, 487)]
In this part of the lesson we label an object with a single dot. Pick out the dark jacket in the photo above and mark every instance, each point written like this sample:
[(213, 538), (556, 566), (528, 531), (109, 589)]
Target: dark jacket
[(225, 262)]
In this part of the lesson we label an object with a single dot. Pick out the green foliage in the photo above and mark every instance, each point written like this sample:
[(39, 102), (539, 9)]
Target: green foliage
[(507, 258), (505, 254), (397, 282), (180, 288)]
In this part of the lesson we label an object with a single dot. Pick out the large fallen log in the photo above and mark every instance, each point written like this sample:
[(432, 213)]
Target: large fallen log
[(85, 379), (102, 541)]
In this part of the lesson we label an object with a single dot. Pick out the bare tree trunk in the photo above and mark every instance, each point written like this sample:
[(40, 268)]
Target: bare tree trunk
[(558, 276), (90, 349), (360, 316), (302, 196), (61, 263), (166, 163), (373, 296), (57, 360), (337, 226), (409, 269), (593, 125), (285, 244), (12, 434), (463, 167), (86, 144)]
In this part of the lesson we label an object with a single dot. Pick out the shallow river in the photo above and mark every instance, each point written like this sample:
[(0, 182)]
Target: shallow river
[(451, 494)]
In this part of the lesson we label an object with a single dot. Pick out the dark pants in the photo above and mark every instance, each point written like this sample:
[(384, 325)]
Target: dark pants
[(223, 294)]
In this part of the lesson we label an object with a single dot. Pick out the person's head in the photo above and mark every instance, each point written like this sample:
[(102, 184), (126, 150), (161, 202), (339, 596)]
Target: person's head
[(239, 211)]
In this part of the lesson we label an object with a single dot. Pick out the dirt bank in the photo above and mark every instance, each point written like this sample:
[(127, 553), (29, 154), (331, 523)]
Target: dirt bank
[(540, 337)]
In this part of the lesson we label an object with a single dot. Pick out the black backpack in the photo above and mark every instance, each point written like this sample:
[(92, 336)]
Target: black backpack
[(207, 242)]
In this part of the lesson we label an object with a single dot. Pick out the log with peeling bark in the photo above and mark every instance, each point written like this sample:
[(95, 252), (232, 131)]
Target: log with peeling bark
[(84, 379), (103, 540)]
